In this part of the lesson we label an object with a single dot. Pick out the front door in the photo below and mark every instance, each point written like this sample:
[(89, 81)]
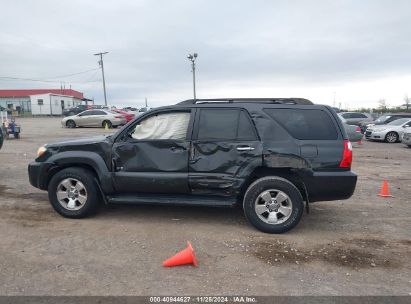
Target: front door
[(152, 156), (225, 150)]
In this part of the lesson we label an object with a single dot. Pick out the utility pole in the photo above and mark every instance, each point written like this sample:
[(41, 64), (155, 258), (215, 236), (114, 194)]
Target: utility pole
[(192, 58), (102, 70), (146, 102)]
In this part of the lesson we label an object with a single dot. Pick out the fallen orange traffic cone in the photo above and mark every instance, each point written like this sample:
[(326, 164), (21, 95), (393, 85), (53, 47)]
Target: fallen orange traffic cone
[(385, 191), (184, 257)]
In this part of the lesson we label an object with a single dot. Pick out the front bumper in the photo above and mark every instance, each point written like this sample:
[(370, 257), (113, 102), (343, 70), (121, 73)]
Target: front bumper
[(330, 186), (39, 174), (375, 135)]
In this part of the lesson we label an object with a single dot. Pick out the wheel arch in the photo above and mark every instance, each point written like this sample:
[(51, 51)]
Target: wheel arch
[(286, 173), (87, 160)]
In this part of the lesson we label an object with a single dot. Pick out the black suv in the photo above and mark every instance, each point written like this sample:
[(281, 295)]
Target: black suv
[(268, 155)]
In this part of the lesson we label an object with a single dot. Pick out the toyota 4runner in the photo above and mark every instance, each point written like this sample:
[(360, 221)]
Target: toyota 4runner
[(271, 156)]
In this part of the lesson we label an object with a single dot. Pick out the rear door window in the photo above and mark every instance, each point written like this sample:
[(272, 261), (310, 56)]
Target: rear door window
[(305, 124), (225, 124)]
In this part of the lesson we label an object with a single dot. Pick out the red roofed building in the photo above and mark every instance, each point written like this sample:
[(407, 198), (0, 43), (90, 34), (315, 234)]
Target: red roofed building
[(27, 93), (40, 101)]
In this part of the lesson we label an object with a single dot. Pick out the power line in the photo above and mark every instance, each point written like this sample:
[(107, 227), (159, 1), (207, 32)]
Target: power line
[(47, 79), (41, 80), (78, 73)]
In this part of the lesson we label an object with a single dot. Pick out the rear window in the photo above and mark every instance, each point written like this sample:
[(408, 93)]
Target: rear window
[(305, 124)]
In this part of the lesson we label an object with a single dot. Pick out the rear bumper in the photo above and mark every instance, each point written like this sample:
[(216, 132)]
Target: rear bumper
[(330, 186), (38, 174)]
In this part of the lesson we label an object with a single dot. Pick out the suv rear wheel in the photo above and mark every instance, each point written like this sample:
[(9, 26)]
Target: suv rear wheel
[(273, 204), (73, 192)]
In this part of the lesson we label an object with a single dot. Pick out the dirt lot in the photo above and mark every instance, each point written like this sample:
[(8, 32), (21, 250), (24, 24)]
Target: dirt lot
[(360, 246)]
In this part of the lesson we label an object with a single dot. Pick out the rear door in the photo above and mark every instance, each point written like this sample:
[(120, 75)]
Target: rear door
[(315, 131), (224, 150), (96, 120)]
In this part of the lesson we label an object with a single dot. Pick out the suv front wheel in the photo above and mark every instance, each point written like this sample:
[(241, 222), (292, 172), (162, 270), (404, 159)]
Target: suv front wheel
[(273, 204), (73, 192)]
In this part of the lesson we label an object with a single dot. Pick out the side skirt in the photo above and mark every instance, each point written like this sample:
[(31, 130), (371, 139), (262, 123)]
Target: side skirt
[(170, 199)]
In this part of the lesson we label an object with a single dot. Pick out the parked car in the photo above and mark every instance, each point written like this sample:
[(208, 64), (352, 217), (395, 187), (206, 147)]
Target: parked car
[(127, 116), (391, 132), (94, 118), (384, 119), (353, 132), (212, 152), (406, 137), (355, 118), (80, 108)]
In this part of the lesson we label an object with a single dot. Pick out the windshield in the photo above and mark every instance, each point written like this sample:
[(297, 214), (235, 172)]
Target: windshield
[(398, 122), (383, 118)]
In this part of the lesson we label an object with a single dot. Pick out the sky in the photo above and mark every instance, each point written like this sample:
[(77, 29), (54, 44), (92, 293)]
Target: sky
[(348, 53)]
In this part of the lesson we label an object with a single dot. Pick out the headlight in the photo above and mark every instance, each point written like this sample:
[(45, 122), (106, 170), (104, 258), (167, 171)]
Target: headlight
[(41, 151)]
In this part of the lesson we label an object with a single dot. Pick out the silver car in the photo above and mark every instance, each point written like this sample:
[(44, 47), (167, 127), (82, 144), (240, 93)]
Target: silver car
[(94, 118), (391, 132)]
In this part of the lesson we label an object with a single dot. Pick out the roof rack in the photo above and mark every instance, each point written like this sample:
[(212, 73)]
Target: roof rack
[(299, 101)]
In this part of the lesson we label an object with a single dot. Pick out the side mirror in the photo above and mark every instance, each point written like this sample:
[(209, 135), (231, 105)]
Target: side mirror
[(406, 126)]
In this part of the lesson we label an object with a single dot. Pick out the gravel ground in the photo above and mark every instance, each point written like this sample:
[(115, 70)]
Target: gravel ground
[(359, 246)]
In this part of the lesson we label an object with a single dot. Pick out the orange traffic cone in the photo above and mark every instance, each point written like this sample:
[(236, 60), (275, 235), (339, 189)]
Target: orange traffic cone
[(385, 191), (184, 257)]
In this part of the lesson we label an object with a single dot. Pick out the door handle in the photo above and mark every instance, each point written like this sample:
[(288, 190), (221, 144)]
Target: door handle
[(245, 148)]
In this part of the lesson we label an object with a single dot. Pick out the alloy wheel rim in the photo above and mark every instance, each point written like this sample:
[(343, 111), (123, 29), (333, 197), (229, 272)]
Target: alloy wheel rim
[(391, 137), (273, 206), (71, 194)]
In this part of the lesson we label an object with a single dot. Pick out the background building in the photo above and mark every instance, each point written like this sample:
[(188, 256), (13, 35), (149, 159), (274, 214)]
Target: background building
[(41, 101)]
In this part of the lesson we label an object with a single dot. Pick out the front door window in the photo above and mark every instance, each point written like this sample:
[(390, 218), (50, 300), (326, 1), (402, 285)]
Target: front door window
[(163, 126)]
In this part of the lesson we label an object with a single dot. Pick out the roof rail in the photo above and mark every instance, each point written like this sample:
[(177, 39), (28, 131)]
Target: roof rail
[(299, 101)]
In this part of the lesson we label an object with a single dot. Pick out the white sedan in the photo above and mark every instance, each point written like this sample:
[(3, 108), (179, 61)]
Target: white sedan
[(391, 132)]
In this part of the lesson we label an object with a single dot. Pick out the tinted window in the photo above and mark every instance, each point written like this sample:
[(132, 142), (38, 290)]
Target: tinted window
[(305, 124), (347, 115), (86, 113), (99, 112), (225, 124)]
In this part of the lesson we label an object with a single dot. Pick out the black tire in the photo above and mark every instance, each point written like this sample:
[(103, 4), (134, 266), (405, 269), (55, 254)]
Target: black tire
[(391, 137), (17, 135), (108, 123), (267, 183), (86, 177), (70, 124)]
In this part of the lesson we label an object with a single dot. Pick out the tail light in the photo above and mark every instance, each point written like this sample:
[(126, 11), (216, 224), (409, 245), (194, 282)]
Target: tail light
[(358, 130), (347, 155)]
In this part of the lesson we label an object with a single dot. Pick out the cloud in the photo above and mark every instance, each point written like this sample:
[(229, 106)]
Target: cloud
[(306, 48)]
